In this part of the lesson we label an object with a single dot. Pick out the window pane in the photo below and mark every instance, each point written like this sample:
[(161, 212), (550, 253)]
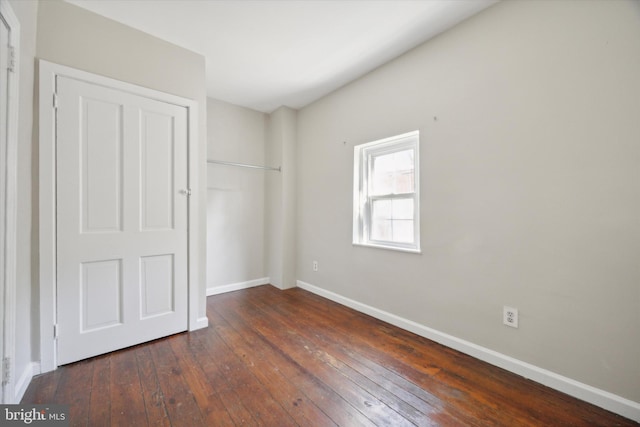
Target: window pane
[(381, 209), (404, 182), (382, 175), (404, 160), (404, 171), (392, 220), (392, 173), (402, 231), (381, 229), (384, 163), (402, 209)]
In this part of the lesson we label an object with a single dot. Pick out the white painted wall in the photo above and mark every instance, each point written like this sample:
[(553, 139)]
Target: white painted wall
[(528, 117), (26, 256), (235, 196)]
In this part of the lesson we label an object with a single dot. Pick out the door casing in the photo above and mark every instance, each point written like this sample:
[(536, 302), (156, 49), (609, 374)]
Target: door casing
[(49, 72)]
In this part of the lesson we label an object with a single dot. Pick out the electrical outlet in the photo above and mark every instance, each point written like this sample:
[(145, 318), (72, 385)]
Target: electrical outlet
[(510, 316), (315, 265)]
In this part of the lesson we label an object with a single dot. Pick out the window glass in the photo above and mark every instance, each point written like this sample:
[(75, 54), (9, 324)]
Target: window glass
[(392, 220), (392, 173)]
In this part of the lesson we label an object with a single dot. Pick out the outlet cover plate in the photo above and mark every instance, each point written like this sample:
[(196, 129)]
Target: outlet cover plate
[(510, 316)]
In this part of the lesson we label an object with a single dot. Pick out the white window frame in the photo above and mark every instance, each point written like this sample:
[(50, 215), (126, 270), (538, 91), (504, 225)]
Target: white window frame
[(362, 170)]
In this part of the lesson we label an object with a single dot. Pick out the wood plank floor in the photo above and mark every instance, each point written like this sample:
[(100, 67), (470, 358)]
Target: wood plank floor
[(291, 358)]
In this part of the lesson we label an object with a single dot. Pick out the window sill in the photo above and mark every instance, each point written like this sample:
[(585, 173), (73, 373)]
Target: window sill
[(391, 248)]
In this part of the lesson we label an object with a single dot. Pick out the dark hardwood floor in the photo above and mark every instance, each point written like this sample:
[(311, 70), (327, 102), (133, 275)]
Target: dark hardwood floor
[(291, 358)]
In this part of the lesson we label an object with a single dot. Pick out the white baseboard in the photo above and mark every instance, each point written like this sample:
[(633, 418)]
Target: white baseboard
[(236, 286), (201, 323), (24, 380), (604, 399)]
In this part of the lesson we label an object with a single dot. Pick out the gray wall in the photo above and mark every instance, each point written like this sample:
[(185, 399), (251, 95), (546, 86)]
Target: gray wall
[(529, 122), (280, 193), (250, 213), (235, 195)]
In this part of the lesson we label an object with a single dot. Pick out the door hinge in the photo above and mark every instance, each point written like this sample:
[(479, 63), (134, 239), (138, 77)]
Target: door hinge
[(6, 370), (186, 191), (56, 331), (12, 59), (55, 100)]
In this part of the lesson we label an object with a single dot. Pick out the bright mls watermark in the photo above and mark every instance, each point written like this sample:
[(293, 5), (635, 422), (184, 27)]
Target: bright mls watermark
[(34, 415)]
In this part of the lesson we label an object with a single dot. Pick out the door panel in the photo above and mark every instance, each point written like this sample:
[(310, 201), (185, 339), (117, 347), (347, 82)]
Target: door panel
[(101, 295), (101, 165), (156, 165), (156, 281), (121, 221)]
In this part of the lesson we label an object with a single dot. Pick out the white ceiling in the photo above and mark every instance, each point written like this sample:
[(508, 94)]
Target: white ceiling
[(263, 54)]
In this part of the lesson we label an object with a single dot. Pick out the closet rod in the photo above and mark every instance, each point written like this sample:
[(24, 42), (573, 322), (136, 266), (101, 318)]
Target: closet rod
[(243, 165)]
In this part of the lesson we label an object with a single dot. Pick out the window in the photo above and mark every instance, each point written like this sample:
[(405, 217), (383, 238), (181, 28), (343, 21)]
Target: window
[(386, 196)]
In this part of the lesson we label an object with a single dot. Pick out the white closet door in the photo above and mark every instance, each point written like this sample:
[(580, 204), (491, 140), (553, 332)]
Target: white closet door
[(121, 219)]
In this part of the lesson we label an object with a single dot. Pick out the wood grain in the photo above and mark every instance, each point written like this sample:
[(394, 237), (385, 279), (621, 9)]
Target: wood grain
[(291, 358)]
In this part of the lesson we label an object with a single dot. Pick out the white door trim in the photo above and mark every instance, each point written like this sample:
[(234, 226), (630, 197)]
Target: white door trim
[(10, 194), (47, 181)]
